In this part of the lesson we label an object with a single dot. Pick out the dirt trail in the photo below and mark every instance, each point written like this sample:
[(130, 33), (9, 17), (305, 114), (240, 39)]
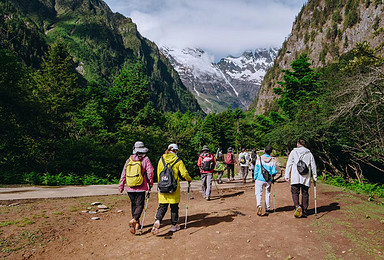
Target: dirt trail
[(227, 227)]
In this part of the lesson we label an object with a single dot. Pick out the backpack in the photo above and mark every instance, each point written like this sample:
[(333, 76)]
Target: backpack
[(301, 166), (167, 182), (264, 172), (229, 158), (133, 173), (242, 159), (207, 163)]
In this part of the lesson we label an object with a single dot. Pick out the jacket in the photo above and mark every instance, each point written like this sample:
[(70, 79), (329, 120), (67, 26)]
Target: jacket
[(269, 163), (146, 170), (179, 167), (199, 162), (246, 155), (291, 169)]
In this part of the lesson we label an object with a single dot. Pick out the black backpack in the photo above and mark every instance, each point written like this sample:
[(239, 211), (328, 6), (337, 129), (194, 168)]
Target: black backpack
[(207, 163), (167, 182), (301, 166), (265, 172)]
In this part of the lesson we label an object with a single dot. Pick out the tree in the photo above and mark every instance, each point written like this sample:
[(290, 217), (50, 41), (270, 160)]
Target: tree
[(300, 86)]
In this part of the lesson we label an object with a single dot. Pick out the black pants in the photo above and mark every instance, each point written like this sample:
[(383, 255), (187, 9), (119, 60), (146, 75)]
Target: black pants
[(295, 190), (162, 209), (231, 168), (137, 203)]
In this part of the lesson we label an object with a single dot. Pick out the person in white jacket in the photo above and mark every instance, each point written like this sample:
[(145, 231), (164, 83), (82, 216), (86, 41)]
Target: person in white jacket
[(244, 164), (300, 182)]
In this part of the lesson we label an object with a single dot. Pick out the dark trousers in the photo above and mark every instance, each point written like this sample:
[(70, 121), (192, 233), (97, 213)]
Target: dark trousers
[(295, 190), (137, 203), (231, 168), (162, 209)]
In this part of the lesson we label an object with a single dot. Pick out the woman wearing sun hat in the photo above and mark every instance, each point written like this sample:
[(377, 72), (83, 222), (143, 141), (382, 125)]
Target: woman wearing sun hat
[(137, 193)]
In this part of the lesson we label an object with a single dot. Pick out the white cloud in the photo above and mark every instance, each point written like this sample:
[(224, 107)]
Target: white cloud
[(221, 27)]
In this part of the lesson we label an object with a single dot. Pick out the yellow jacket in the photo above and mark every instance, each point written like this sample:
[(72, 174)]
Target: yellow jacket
[(179, 167)]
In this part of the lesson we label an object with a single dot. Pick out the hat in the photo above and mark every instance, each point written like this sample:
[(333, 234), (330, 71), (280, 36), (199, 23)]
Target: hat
[(139, 148), (173, 147), (205, 148), (230, 149)]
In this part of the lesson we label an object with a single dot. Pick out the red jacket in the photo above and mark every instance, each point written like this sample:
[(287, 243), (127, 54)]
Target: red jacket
[(200, 162)]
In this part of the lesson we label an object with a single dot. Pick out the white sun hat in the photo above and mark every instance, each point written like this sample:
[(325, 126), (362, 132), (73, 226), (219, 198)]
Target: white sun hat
[(139, 148), (173, 147)]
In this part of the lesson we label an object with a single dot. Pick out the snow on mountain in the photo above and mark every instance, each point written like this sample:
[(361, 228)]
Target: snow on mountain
[(233, 81)]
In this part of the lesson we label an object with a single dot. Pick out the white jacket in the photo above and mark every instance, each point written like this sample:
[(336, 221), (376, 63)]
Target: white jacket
[(291, 170), (247, 157)]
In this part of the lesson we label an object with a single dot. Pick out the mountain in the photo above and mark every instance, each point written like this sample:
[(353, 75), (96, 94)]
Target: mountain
[(233, 81), (325, 29), (100, 41)]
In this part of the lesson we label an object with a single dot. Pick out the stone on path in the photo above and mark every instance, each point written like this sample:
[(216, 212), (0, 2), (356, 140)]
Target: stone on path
[(95, 218), (102, 207), (95, 203)]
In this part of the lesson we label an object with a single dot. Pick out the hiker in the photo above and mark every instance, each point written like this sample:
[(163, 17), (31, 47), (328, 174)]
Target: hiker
[(244, 164), (300, 181), (171, 198), (206, 163), (138, 174), (220, 166), (264, 163), (230, 163)]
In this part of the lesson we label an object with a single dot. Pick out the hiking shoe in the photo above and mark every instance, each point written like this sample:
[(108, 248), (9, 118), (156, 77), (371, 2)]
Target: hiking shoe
[(208, 198), (304, 214), (132, 226), (259, 210), (155, 228), (175, 228), (269, 210), (298, 212)]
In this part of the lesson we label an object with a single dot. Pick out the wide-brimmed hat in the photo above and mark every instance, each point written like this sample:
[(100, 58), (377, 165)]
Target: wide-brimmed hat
[(205, 148), (230, 149), (139, 148), (173, 147)]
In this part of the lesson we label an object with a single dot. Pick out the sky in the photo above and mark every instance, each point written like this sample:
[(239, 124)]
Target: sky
[(219, 27)]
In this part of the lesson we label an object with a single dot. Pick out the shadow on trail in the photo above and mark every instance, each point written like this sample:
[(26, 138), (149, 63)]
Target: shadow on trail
[(285, 208), (202, 221), (223, 196), (326, 209)]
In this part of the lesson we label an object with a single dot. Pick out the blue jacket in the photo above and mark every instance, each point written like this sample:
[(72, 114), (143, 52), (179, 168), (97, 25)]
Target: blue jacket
[(269, 164)]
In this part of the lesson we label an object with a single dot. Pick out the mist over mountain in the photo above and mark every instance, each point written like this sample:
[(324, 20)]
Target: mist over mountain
[(231, 82)]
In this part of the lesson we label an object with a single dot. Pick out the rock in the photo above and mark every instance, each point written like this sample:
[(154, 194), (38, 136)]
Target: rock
[(367, 216), (217, 232), (248, 241), (120, 211), (102, 210), (13, 204), (268, 255), (95, 218), (92, 212), (102, 207), (343, 252), (84, 211), (95, 203), (89, 208), (105, 245)]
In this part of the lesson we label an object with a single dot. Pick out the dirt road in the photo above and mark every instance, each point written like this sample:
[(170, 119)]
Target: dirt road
[(347, 227)]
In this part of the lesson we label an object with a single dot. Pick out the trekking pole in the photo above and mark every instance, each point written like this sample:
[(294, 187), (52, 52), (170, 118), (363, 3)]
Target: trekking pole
[(273, 191), (145, 210), (186, 209), (314, 189), (215, 180)]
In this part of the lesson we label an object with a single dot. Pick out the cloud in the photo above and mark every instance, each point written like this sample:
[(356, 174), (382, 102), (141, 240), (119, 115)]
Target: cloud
[(221, 27)]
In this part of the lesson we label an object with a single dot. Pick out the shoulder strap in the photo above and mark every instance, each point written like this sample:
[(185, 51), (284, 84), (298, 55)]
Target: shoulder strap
[(178, 159), (162, 159)]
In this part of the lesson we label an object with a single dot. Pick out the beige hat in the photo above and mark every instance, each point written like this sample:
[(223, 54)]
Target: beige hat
[(139, 148)]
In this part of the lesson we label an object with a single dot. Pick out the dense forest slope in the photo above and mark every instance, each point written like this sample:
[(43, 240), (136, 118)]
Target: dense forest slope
[(99, 40), (324, 29)]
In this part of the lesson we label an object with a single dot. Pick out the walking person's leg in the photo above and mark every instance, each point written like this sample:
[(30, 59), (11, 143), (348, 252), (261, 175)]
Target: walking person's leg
[(245, 174), (137, 206), (209, 186), (203, 184), (258, 192), (161, 210), (220, 174), (267, 196), (295, 190), (305, 199), (174, 217), (232, 168)]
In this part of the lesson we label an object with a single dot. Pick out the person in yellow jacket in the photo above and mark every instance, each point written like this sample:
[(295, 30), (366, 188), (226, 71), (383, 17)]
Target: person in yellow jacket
[(172, 199)]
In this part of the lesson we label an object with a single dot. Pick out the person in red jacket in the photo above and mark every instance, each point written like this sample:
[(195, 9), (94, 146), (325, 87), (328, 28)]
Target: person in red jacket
[(206, 164)]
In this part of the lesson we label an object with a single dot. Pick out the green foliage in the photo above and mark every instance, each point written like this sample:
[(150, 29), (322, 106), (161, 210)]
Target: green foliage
[(364, 188)]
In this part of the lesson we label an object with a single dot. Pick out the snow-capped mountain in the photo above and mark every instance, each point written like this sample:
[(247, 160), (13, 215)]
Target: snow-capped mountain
[(233, 81)]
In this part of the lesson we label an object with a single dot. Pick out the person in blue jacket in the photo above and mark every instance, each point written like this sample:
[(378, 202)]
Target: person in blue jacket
[(269, 163)]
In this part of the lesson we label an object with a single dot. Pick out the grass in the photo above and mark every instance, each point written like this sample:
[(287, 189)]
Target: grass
[(20, 223)]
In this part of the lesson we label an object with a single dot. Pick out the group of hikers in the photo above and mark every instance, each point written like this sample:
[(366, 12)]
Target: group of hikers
[(138, 172)]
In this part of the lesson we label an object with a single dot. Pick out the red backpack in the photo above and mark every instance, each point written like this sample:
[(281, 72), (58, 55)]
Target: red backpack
[(229, 159)]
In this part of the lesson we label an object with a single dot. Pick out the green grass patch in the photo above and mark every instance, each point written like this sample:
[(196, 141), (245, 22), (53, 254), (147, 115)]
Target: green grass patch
[(20, 223)]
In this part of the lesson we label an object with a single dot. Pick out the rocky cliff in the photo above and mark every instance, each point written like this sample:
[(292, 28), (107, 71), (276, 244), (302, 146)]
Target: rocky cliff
[(325, 29)]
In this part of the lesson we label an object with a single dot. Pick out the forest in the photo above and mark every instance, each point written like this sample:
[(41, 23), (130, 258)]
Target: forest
[(56, 130)]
